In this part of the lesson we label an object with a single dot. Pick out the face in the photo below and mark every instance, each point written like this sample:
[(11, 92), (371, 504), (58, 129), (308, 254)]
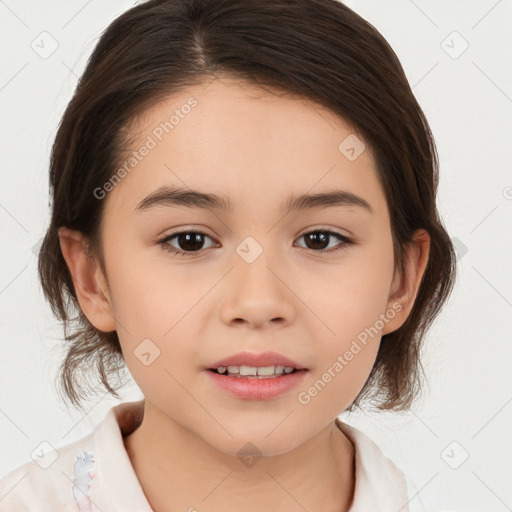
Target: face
[(312, 283)]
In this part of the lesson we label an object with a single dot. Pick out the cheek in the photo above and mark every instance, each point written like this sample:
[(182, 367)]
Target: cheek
[(154, 303), (351, 304), (350, 297), (345, 356), (150, 292)]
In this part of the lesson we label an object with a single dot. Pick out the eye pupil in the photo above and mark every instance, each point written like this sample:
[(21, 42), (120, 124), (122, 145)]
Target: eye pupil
[(318, 238), (190, 241)]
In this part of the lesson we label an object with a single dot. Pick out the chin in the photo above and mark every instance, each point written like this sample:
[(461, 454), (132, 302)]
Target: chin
[(251, 447)]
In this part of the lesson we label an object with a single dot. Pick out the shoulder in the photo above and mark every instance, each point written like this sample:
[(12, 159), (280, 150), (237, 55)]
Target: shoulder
[(379, 482), (51, 480), (94, 472)]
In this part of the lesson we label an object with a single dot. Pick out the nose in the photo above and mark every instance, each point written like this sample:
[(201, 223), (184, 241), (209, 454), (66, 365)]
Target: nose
[(256, 294)]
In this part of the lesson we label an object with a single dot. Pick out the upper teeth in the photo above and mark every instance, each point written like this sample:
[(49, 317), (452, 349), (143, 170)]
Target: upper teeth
[(256, 370)]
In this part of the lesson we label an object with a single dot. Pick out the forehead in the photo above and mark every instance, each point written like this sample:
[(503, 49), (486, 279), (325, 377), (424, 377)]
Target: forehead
[(238, 140)]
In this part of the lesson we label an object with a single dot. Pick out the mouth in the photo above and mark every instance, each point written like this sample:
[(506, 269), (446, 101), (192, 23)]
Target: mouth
[(256, 376), (262, 364), (255, 372), (256, 382)]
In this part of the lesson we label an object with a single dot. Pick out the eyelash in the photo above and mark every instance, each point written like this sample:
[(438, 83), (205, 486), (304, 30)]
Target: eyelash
[(346, 241)]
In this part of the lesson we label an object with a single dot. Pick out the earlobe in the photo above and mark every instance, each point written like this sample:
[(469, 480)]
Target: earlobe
[(405, 286), (90, 286)]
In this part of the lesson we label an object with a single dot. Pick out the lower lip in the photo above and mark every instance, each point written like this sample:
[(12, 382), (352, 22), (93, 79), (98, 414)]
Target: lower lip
[(257, 389)]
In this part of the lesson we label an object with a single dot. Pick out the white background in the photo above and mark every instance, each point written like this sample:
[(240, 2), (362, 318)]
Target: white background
[(467, 405)]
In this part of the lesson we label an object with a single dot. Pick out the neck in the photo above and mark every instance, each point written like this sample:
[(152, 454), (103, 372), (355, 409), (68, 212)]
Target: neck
[(180, 471)]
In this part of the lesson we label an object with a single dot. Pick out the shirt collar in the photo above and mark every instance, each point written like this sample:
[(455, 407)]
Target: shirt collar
[(379, 484)]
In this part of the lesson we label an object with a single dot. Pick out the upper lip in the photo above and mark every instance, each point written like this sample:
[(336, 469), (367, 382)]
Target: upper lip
[(268, 358)]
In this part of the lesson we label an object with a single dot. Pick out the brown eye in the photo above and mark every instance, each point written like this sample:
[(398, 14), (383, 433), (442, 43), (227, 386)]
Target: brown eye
[(187, 241), (190, 241), (319, 240)]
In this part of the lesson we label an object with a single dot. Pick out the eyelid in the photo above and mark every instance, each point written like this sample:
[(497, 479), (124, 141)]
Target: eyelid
[(338, 231), (169, 248), (344, 241)]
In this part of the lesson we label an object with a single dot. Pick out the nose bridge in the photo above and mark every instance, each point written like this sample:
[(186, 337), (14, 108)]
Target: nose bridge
[(255, 293)]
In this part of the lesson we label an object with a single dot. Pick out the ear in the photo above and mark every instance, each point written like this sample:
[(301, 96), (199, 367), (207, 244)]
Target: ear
[(90, 283), (404, 287)]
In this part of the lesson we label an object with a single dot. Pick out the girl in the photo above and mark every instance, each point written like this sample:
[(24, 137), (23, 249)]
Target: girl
[(244, 214)]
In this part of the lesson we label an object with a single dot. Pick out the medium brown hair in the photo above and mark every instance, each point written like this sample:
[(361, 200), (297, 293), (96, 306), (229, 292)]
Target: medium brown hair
[(316, 49)]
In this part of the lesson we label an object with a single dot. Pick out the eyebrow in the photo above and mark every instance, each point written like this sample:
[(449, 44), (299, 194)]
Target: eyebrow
[(172, 196)]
